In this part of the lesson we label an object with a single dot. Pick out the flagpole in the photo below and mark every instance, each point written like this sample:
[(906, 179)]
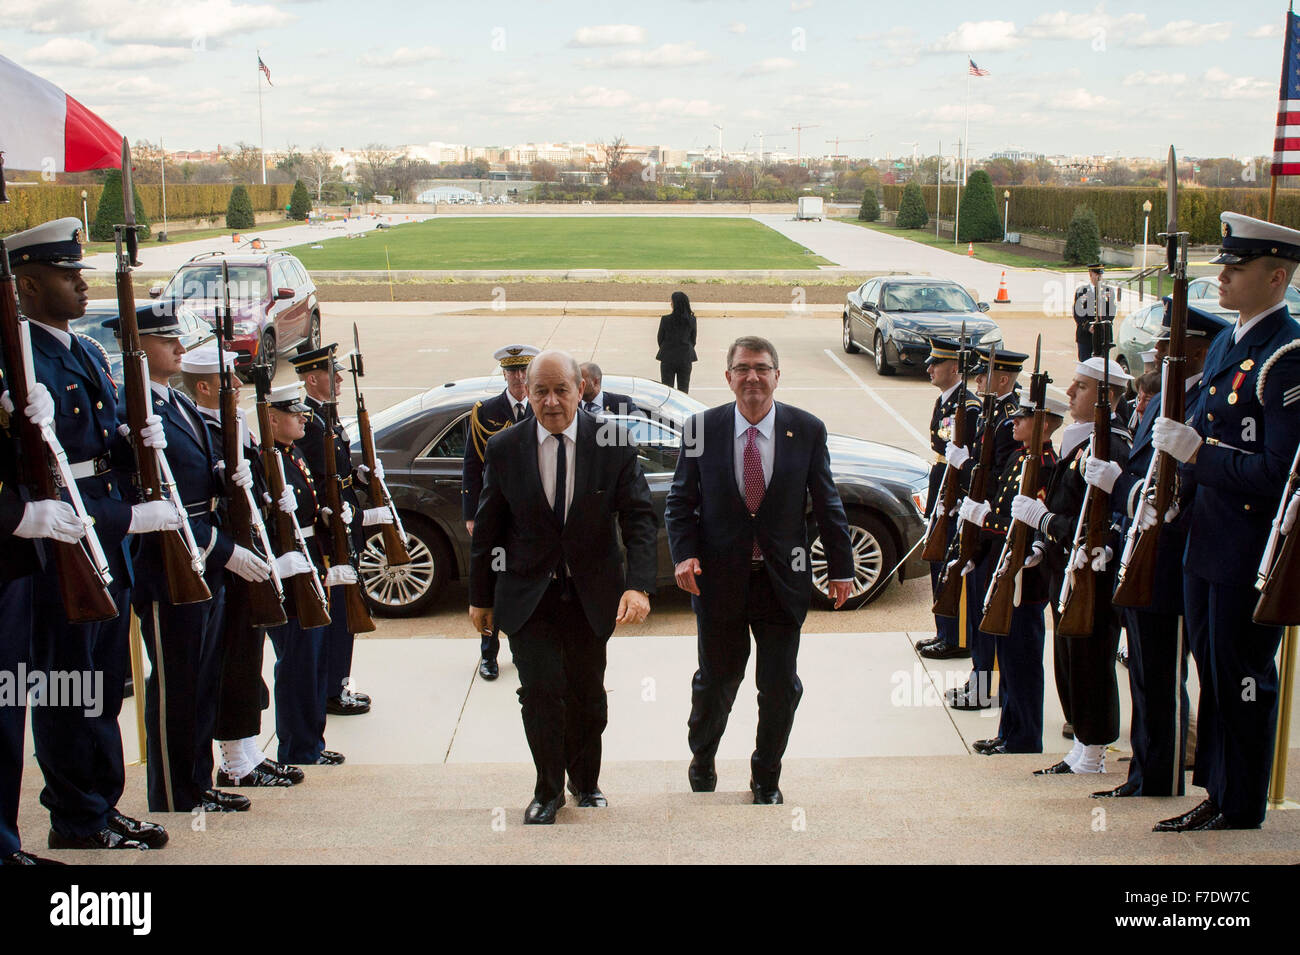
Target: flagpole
[(966, 136), (938, 188), (261, 129)]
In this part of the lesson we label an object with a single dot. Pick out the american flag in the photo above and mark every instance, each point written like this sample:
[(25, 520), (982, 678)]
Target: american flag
[(262, 66), (975, 70), (1286, 141)]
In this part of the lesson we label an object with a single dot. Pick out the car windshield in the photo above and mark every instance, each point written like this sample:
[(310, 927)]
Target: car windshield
[(677, 407), (247, 283), (927, 298)]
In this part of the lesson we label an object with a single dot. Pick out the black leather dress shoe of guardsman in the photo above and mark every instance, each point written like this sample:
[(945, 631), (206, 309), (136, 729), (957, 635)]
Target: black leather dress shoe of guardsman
[(1220, 821), (328, 757), (214, 800), (255, 777), (1192, 819), (26, 858), (703, 775), (543, 813), (765, 795), (488, 669), (291, 773), (106, 838), (350, 694), (1058, 769), (1126, 788), (345, 706), (150, 833), (985, 746), (943, 651), (928, 642)]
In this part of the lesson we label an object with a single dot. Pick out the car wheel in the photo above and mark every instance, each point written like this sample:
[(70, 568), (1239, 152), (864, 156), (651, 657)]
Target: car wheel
[(874, 555), (849, 347), (266, 354), (883, 367), (313, 332), (409, 590)]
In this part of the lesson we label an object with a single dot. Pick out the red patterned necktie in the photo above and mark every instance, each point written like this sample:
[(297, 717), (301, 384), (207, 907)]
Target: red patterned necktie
[(753, 480)]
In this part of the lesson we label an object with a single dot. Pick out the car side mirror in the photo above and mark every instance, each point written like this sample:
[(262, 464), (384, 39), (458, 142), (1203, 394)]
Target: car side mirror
[(283, 293), (982, 306), (155, 290)]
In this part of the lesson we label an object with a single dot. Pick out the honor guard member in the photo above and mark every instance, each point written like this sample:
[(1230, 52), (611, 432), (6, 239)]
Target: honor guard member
[(1238, 450), (1085, 309), (80, 754), (301, 667), (1020, 653), (1003, 380), (183, 641), (22, 522), (487, 418), (945, 375), (314, 368), (242, 694), (1084, 666)]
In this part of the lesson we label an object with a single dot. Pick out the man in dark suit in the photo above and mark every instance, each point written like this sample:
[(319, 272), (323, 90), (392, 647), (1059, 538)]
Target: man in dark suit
[(738, 533), (1085, 309), (545, 555), (599, 402)]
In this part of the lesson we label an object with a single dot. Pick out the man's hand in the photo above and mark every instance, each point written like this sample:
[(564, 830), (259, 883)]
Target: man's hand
[(1101, 474), (242, 476), (154, 516), (288, 502), (53, 519), (1175, 439), (40, 406), (247, 565), (340, 575), (292, 563), (469, 526), (956, 455), (1036, 554), (633, 607), (376, 515), (974, 512), (685, 574), (481, 617), (151, 435), (841, 590), (1028, 510)]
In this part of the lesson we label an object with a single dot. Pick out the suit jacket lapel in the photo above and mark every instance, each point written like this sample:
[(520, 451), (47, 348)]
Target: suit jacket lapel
[(1260, 333), (46, 343), (586, 441), (531, 469), (780, 451), (726, 439)]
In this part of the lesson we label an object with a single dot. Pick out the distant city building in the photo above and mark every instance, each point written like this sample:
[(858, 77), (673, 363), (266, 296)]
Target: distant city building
[(1018, 155)]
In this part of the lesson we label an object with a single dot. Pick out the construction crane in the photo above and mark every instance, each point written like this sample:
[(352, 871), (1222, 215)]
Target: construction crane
[(799, 139), (719, 129), (915, 148), (837, 142)]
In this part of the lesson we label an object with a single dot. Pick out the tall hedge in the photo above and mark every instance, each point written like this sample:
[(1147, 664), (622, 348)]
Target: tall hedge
[(980, 221), (300, 204), (29, 206), (239, 211), (110, 210), (870, 210), (1082, 237), (911, 208)]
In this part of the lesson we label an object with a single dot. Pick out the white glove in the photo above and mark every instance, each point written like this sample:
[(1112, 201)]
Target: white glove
[(1175, 439), (244, 563), (956, 455), (1288, 519), (970, 565), (974, 512), (1028, 510), (40, 406), (292, 564), (938, 508), (379, 469), (364, 471), (154, 516), (53, 519), (242, 476), (288, 503), (340, 574), (152, 434), (376, 515), (1035, 556), (1101, 474), (347, 514)]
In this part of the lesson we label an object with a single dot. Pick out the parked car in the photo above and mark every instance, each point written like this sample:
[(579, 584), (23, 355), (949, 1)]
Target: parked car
[(421, 442), (1138, 333), (895, 316), (272, 297), (1204, 293), (197, 332)]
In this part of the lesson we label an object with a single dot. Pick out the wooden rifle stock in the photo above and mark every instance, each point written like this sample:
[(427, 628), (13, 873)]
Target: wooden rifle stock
[(936, 534), (1079, 603), (85, 597), (359, 619), (1278, 583), (395, 552), (1000, 603), (948, 602)]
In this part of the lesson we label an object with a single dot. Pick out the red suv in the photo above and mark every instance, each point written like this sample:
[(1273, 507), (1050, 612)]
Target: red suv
[(272, 299)]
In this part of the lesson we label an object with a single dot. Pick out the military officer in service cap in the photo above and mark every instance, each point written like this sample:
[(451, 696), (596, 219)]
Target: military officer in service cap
[(1238, 450), (487, 418)]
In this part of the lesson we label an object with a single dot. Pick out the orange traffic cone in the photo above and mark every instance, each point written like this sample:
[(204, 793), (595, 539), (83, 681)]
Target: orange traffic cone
[(970, 248), (1003, 298)]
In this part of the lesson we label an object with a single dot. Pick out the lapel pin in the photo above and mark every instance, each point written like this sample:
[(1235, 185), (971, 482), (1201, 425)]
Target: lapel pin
[(789, 434)]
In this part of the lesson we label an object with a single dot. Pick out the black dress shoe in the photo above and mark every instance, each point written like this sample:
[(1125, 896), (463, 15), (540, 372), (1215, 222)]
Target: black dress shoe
[(328, 757), (593, 799), (357, 697), (952, 695), (702, 775), (151, 834), (1126, 788), (1067, 730), (488, 669), (214, 800), (970, 701), (291, 773), (26, 858), (928, 642), (943, 651), (543, 813), (106, 838), (765, 795), (983, 745), (1060, 769), (255, 777), (1192, 819), (1219, 821), (345, 706)]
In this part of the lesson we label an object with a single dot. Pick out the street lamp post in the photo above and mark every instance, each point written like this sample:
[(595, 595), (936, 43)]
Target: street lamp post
[(1006, 212), (85, 216), (1146, 224)]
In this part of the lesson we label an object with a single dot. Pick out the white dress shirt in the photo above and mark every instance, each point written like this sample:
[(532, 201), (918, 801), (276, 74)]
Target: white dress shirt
[(517, 407), (1244, 326), (766, 446), (546, 452)]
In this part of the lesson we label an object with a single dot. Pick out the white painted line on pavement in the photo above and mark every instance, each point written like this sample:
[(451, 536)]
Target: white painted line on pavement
[(921, 439)]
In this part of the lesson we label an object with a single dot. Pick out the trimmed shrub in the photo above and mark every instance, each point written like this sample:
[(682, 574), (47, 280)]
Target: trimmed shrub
[(870, 210), (1082, 238), (300, 203), (110, 211), (911, 208), (239, 210), (980, 221)]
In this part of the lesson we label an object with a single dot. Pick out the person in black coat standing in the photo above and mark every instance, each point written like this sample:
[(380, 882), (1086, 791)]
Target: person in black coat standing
[(677, 344)]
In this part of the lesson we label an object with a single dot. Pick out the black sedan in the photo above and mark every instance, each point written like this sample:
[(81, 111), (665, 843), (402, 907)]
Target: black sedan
[(895, 316), (421, 442)]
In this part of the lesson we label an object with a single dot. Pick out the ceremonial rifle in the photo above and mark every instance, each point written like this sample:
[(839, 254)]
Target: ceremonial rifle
[(1278, 580), (1001, 599), (936, 533), (265, 598), (1136, 578), (1082, 601), (948, 602), (182, 559), (359, 620), (394, 534), (310, 602)]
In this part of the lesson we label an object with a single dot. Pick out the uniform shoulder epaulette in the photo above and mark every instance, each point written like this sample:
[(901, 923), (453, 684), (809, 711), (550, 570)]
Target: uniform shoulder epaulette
[(101, 353), (1268, 366), (479, 432)]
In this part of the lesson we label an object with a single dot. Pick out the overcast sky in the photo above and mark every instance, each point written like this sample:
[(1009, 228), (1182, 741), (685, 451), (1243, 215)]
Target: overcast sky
[(1116, 78)]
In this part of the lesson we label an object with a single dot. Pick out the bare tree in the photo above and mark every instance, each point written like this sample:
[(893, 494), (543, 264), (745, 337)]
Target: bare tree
[(543, 171), (612, 154), (245, 163), (376, 164), (317, 167), (405, 173)]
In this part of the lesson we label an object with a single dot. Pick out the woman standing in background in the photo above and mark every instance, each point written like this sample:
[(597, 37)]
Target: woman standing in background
[(677, 343)]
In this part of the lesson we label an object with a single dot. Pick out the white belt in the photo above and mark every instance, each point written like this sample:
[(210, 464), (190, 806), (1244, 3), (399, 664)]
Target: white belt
[(88, 469), (307, 531)]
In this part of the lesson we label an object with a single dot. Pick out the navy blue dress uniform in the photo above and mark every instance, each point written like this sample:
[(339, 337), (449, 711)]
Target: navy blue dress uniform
[(947, 640), (486, 419), (339, 640), (1157, 638), (1085, 311), (301, 667), (1249, 420)]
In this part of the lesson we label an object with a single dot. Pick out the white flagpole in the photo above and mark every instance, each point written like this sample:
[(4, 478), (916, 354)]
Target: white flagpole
[(966, 137), (261, 129)]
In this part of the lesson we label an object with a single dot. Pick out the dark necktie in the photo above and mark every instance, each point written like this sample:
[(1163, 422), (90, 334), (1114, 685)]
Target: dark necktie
[(519, 412), (754, 487), (189, 422), (561, 470)]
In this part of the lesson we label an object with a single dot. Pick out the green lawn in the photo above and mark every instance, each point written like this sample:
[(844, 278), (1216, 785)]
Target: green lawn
[(995, 252), (620, 242)]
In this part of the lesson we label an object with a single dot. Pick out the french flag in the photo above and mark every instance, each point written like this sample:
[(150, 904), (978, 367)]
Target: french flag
[(42, 127)]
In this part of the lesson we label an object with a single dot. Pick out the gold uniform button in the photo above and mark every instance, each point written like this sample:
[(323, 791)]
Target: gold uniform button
[(1246, 506), (76, 410), (1211, 389), (1210, 415), (105, 432), (99, 406)]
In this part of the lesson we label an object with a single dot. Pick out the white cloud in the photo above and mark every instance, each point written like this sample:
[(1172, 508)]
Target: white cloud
[(677, 107), (774, 64), (1155, 78), (956, 112), (1064, 25), (403, 56), (599, 97), (898, 45), (62, 51), (736, 27), (669, 55), (1219, 84), (1183, 33), (1081, 100), (141, 55), (983, 36), (797, 5), (164, 22), (1265, 32), (613, 34)]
